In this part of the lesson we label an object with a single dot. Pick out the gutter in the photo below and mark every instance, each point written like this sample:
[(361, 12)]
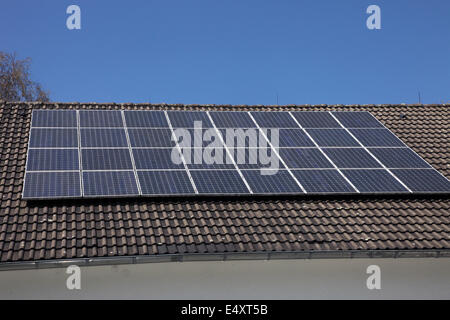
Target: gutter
[(234, 256)]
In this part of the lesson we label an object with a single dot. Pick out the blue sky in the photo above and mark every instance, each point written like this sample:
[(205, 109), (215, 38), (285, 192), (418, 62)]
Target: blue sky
[(234, 52)]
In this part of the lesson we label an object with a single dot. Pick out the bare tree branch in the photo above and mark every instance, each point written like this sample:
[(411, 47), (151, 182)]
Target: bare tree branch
[(15, 82)]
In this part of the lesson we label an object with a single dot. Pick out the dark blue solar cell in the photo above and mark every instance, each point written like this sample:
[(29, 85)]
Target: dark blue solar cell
[(54, 118), (323, 181), (361, 119), (232, 119), (151, 138), (274, 119), (157, 159), (423, 180), (109, 183), (103, 138), (399, 158), (315, 119), (274, 181), (51, 185), (52, 159), (60, 138), (374, 181), (333, 138), (304, 158), (165, 182), (187, 119), (351, 158), (218, 181), (208, 158), (146, 118), (101, 118), (377, 138), (106, 159)]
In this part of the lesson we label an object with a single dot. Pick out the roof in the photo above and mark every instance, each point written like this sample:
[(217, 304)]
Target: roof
[(47, 233)]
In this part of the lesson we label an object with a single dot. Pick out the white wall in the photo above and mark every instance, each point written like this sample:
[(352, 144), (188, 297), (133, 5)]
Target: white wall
[(276, 279)]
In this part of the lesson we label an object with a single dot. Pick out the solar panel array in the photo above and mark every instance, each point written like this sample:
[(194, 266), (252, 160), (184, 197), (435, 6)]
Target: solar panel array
[(113, 153)]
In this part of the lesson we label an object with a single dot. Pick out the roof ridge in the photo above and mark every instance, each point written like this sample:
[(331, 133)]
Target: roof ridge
[(57, 103)]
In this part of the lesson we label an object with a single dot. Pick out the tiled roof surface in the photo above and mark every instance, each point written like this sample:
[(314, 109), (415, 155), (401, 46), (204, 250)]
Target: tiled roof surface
[(156, 227)]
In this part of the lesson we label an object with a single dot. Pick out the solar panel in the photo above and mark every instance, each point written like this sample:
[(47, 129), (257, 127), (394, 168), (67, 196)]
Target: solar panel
[(315, 119), (44, 185), (52, 159), (112, 153), (165, 182), (53, 138), (219, 182), (169, 158), (244, 138), (210, 159), (100, 118), (103, 138), (399, 158), (304, 158), (423, 180), (357, 119), (232, 119), (292, 138), (109, 183), (151, 138), (332, 138), (54, 118), (187, 119), (351, 158), (377, 138), (323, 181), (256, 158), (146, 119), (197, 137), (106, 159), (374, 181), (274, 120), (270, 182)]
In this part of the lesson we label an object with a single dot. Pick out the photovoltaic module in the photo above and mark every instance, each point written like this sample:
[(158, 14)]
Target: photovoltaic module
[(125, 153)]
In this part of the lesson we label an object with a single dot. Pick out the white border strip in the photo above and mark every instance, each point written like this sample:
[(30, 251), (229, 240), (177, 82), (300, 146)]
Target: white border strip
[(28, 150), (174, 137), (228, 169), (162, 128), (371, 154), (131, 152), (276, 153), (229, 153), (324, 154), (207, 147), (80, 159)]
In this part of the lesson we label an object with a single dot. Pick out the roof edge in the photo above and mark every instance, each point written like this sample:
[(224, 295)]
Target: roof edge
[(231, 256), (163, 104)]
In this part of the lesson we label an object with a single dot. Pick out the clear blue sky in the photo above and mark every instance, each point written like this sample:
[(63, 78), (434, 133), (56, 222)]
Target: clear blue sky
[(234, 52)]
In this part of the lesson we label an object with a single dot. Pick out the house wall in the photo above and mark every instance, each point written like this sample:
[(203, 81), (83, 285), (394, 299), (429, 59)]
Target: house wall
[(408, 278)]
